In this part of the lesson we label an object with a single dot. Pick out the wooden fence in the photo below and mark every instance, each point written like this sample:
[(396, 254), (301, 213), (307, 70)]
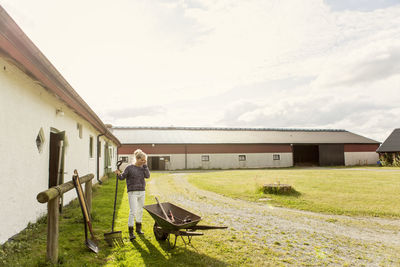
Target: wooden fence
[(52, 197)]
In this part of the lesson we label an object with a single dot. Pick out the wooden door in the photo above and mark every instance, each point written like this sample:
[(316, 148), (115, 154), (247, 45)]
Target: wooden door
[(56, 161)]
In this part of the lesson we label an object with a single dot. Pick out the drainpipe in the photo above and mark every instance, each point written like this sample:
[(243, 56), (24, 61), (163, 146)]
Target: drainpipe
[(98, 158)]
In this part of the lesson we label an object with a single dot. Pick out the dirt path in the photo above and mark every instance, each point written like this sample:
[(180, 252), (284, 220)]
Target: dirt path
[(304, 237)]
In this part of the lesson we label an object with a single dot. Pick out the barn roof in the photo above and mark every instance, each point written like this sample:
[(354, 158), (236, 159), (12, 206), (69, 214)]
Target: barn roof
[(199, 135), (392, 143), (21, 51)]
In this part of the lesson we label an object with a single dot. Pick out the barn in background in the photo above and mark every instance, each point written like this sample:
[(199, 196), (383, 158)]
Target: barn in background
[(389, 151), (172, 148)]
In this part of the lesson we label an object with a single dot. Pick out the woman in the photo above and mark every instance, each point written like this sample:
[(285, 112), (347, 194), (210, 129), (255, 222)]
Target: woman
[(135, 175)]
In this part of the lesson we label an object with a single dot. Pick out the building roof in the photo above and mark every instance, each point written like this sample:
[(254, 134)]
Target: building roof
[(19, 49), (198, 135), (392, 143)]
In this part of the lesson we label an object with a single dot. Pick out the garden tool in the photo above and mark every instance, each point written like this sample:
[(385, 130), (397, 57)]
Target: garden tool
[(114, 238), (90, 243), (163, 211)]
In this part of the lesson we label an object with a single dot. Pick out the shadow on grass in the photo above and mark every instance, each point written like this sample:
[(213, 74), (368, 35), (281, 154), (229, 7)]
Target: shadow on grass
[(153, 256), (291, 193), (72, 248)]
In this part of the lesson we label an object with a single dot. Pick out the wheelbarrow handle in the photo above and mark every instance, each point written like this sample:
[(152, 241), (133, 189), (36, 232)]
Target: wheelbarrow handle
[(207, 227)]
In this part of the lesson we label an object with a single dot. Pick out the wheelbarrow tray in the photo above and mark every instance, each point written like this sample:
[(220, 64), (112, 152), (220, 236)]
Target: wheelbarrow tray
[(183, 219)]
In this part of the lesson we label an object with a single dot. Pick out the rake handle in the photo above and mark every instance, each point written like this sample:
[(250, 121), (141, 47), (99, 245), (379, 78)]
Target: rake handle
[(116, 194)]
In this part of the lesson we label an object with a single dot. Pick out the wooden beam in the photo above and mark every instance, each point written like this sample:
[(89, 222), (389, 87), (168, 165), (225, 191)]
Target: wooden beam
[(56, 191)]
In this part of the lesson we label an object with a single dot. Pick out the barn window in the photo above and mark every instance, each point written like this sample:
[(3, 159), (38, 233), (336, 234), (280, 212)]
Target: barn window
[(276, 157), (91, 146), (79, 127), (124, 159), (242, 157), (40, 140), (205, 158)]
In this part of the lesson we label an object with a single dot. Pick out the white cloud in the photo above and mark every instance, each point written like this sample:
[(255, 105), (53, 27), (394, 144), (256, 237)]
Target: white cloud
[(235, 63), (361, 5)]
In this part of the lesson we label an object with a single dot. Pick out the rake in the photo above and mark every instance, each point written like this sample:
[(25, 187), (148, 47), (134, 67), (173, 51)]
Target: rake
[(114, 238)]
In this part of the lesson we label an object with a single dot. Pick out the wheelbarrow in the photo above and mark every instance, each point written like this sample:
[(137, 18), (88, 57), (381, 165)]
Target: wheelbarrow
[(170, 219)]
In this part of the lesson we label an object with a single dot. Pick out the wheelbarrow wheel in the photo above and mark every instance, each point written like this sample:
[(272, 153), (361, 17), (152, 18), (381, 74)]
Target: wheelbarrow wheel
[(159, 233)]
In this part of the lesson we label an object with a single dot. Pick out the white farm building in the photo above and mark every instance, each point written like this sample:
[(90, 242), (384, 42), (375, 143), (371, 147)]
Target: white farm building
[(47, 131), (172, 148)]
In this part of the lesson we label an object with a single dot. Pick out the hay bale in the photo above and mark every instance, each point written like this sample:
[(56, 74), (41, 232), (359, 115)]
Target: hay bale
[(277, 188)]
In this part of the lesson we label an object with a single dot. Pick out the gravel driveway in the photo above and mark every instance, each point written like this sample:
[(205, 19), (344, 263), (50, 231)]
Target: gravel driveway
[(306, 238)]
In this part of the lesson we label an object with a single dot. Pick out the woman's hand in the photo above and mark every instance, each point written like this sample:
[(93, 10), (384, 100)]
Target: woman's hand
[(117, 172), (141, 161)]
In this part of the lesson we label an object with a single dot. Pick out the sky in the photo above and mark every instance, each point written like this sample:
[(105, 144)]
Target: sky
[(326, 64)]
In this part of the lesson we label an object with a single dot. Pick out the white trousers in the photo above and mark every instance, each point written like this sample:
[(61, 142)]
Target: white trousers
[(136, 203)]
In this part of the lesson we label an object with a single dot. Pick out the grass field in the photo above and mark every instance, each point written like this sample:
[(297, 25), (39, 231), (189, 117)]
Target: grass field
[(218, 249), (367, 191), (372, 192)]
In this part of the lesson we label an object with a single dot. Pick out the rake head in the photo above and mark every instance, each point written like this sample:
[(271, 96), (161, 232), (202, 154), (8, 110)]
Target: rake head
[(114, 239)]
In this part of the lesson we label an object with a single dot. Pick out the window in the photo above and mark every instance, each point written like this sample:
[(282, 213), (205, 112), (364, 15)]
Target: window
[(91, 146), (276, 157), (79, 127), (40, 140), (124, 159), (242, 157), (205, 158)]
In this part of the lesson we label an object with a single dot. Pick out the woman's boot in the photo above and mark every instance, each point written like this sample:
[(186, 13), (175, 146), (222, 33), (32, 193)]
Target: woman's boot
[(139, 228), (131, 235)]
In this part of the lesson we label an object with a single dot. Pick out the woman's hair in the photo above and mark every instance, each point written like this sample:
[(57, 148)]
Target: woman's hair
[(138, 154)]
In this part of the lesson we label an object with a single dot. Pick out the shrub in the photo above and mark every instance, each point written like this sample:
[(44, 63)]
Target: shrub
[(390, 159), (279, 189)]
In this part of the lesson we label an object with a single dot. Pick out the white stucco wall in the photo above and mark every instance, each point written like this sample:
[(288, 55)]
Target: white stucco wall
[(231, 161), (26, 108), (360, 158)]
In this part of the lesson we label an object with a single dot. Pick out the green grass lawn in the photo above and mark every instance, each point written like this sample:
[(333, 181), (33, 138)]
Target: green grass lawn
[(213, 249), (337, 191), (369, 192)]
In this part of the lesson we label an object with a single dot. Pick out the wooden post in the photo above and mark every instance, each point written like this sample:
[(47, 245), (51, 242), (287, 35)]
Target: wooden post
[(88, 195), (52, 230)]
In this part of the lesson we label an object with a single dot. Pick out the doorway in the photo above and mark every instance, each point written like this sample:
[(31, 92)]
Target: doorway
[(160, 163), (56, 160), (331, 155), (305, 155)]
